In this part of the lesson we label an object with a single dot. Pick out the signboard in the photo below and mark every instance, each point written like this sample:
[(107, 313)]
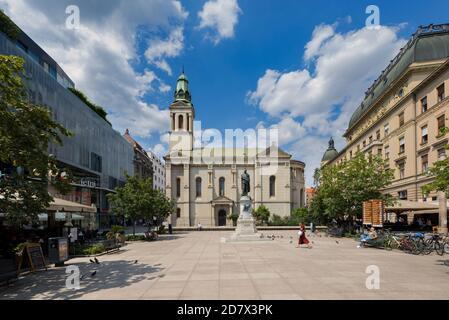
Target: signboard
[(373, 213), (63, 249), (33, 252)]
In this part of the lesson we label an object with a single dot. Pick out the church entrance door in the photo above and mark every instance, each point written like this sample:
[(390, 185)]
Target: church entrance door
[(222, 218)]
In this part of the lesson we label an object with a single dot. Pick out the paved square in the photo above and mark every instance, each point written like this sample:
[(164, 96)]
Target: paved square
[(198, 265)]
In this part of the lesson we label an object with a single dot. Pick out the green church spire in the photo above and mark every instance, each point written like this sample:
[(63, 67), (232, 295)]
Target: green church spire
[(182, 88)]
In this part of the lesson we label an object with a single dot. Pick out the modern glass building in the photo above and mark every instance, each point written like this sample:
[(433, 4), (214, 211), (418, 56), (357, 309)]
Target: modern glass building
[(97, 155)]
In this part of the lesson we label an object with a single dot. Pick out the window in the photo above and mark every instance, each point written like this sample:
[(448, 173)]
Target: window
[(221, 187), (364, 143), (95, 162), (173, 124), (441, 123), (358, 148), (178, 213), (370, 139), (178, 187), (350, 154), (401, 93), (424, 104), (198, 187), (424, 135), (441, 154), (440, 92), (402, 195), (401, 170), (379, 152), (378, 135), (401, 145), (401, 119), (272, 186), (425, 163), (387, 129), (387, 152), (181, 122)]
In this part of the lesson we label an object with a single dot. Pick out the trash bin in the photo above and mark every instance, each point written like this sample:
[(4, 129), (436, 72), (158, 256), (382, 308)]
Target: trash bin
[(58, 251)]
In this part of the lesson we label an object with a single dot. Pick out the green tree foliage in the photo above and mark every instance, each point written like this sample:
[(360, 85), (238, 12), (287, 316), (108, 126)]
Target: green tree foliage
[(8, 27), (262, 215), (96, 108), (25, 133), (298, 216), (137, 200), (440, 172), (342, 188)]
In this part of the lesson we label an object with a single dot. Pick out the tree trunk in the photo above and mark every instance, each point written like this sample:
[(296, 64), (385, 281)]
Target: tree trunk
[(134, 227)]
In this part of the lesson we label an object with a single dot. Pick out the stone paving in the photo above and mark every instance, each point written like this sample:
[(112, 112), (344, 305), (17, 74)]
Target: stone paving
[(199, 265)]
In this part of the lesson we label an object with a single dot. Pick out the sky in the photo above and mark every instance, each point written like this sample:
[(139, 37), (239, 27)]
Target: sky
[(300, 66)]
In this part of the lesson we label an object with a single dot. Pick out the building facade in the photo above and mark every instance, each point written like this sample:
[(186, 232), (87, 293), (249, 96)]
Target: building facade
[(158, 171), (143, 164), (205, 183), (96, 154), (403, 113)]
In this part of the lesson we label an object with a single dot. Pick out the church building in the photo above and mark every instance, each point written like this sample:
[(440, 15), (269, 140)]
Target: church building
[(205, 183)]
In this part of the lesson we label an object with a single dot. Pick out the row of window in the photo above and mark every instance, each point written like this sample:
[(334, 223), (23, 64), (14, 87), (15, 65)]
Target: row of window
[(403, 195), (401, 119), (424, 163), (221, 187)]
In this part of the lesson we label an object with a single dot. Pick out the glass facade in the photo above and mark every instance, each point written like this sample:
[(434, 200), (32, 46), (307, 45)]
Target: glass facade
[(98, 155)]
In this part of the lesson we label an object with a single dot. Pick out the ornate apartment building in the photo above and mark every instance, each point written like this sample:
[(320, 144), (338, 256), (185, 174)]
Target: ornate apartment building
[(403, 113), (205, 182)]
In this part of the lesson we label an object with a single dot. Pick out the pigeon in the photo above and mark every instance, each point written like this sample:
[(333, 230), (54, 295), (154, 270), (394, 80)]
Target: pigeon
[(282, 237), (91, 261), (291, 241), (93, 273), (96, 261), (135, 261), (337, 242)]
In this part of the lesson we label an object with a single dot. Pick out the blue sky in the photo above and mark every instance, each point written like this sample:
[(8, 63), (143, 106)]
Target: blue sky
[(300, 65)]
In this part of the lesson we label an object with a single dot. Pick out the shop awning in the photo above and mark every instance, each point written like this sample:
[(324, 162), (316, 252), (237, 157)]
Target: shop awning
[(60, 216), (67, 206), (407, 205)]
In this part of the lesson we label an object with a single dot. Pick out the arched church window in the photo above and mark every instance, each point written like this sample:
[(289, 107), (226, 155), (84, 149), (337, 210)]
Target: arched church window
[(221, 186), (272, 186), (181, 122), (198, 187)]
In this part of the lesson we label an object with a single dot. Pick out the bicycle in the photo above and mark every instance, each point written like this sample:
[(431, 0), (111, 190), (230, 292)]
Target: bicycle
[(433, 244)]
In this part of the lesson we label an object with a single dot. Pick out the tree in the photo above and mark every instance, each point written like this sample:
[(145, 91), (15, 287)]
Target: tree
[(262, 215), (137, 200), (26, 130), (342, 188), (440, 172)]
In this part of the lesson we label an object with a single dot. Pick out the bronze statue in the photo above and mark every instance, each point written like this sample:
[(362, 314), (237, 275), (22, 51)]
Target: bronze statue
[(245, 184)]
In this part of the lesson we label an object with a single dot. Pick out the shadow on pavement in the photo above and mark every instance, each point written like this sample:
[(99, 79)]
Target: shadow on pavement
[(51, 284)]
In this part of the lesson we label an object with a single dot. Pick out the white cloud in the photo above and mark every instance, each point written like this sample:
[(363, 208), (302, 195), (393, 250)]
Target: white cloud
[(320, 34), (221, 16), (159, 50), (322, 97), (97, 55)]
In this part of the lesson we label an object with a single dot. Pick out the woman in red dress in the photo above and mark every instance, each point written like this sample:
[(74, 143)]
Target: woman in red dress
[(302, 235)]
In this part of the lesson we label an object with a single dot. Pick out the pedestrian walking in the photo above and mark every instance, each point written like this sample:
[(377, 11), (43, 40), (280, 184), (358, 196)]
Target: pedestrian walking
[(302, 236)]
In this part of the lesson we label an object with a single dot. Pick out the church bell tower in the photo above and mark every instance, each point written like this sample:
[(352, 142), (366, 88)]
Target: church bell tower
[(182, 114)]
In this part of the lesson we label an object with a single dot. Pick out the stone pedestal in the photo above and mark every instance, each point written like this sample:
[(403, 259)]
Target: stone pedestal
[(246, 225)]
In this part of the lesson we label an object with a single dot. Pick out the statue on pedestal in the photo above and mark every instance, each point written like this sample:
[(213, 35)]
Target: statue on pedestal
[(245, 184)]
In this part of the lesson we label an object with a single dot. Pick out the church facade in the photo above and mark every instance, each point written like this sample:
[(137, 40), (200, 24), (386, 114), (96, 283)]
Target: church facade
[(205, 183)]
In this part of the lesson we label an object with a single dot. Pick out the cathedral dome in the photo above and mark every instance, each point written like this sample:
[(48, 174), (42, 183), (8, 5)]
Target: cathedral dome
[(331, 153)]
